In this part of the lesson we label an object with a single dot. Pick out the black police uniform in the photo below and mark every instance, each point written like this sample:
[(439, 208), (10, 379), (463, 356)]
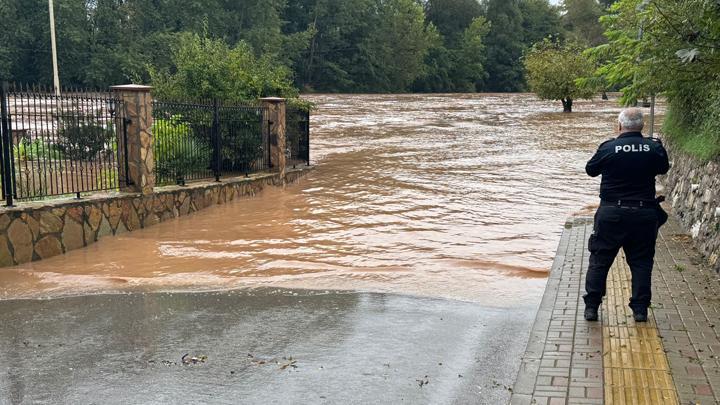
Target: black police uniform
[(629, 214)]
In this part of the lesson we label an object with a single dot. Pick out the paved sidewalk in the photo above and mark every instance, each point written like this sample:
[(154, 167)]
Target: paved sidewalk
[(672, 359)]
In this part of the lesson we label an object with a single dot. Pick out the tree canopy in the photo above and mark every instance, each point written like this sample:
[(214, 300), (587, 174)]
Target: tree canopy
[(553, 70), (504, 45), (205, 69), (582, 20), (669, 47), (325, 45)]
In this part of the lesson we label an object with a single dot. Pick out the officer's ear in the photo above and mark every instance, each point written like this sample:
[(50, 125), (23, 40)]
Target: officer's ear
[(619, 127)]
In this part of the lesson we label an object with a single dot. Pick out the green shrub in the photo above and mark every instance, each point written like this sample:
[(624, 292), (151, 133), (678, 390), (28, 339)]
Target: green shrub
[(241, 141), (205, 68), (240, 151), (178, 152), (83, 137), (35, 150)]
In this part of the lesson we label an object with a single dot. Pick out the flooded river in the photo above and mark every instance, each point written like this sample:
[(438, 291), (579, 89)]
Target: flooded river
[(450, 196)]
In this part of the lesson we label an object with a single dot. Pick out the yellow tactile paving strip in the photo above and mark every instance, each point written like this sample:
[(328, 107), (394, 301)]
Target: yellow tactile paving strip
[(634, 361)]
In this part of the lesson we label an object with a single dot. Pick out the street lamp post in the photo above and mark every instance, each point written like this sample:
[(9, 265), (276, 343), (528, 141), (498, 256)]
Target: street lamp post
[(56, 77)]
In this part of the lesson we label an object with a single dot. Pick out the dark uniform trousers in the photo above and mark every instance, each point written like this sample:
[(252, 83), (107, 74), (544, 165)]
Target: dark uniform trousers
[(634, 229)]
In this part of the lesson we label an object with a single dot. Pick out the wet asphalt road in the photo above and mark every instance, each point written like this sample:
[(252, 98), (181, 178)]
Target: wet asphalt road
[(262, 347)]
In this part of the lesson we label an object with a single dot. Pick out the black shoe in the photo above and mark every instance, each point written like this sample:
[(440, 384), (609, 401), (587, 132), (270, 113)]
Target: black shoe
[(640, 316), (591, 314)]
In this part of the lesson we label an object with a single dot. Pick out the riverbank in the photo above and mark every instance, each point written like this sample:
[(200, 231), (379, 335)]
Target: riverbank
[(674, 358)]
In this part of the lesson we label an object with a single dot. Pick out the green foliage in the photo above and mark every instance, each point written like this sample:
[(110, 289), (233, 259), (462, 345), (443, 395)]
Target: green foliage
[(553, 70), (108, 178), (83, 137), (242, 145), (469, 71), (504, 46), (35, 150), (452, 17), (392, 55), (210, 69), (279, 45), (670, 47), (699, 137), (362, 45), (456, 63), (178, 152), (106, 42), (582, 20), (541, 20)]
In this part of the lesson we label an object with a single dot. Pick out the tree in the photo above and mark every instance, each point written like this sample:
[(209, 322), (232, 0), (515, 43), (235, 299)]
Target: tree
[(455, 61), (540, 20), (553, 70), (392, 55), (452, 17), (607, 3), (582, 19), (469, 69), (12, 38), (338, 28), (677, 55), (504, 46), (204, 68)]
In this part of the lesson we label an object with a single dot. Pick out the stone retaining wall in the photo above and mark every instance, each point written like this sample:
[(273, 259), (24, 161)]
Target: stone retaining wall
[(36, 231), (693, 190)]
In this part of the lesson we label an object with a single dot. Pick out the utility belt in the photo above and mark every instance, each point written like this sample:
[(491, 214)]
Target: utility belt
[(630, 203), (638, 204)]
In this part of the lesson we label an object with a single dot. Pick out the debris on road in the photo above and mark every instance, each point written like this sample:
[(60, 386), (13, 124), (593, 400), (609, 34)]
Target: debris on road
[(289, 363), (192, 360), (284, 364)]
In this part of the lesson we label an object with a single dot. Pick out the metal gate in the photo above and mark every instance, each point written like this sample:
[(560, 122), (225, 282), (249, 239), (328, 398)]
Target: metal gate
[(298, 136)]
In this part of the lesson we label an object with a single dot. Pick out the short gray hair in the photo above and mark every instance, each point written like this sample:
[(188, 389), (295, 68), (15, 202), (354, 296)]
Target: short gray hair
[(631, 119)]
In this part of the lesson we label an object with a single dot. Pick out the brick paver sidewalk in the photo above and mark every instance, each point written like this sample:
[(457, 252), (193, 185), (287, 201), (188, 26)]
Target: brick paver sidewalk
[(674, 358)]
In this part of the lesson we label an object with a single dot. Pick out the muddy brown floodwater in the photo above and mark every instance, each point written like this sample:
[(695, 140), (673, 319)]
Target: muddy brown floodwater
[(452, 196)]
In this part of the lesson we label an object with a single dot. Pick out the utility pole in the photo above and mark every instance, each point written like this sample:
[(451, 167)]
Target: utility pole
[(56, 77)]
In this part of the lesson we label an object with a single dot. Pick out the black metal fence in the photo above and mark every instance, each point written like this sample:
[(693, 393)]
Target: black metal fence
[(297, 127), (56, 145), (208, 140)]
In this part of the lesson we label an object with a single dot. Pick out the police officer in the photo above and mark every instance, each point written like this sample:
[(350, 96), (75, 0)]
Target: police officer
[(629, 215)]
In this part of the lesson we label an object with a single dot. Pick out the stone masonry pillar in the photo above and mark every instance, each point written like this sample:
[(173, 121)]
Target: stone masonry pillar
[(137, 163), (276, 116)]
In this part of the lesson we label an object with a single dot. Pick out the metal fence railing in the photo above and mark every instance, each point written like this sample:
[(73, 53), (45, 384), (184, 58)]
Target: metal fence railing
[(205, 140), (297, 127), (55, 145)]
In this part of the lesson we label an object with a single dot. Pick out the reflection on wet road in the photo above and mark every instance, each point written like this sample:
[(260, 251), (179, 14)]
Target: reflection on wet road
[(449, 196)]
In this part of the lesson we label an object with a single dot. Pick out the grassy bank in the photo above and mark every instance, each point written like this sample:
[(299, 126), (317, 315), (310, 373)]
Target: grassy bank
[(693, 122), (701, 142)]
